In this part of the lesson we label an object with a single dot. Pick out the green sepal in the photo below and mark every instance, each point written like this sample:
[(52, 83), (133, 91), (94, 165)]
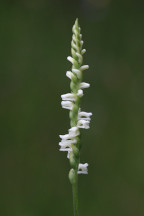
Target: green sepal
[(75, 110), (73, 87), (74, 78), (74, 54), (75, 151), (73, 113), (76, 64), (79, 144)]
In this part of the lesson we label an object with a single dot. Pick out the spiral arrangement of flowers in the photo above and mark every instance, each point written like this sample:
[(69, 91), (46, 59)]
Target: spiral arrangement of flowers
[(78, 119)]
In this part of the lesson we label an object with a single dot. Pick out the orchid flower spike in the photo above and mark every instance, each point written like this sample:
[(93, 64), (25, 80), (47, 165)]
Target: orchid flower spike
[(78, 119)]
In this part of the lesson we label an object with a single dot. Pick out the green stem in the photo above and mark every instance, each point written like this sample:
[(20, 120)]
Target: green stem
[(75, 196)]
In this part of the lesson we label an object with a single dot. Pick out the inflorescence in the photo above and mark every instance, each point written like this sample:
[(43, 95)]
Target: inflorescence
[(71, 101)]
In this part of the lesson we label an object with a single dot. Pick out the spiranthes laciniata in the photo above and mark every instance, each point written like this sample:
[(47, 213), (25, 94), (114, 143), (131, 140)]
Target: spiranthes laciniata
[(70, 142)]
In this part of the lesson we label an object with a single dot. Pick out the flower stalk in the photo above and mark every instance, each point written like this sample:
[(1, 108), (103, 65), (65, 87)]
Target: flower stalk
[(78, 119)]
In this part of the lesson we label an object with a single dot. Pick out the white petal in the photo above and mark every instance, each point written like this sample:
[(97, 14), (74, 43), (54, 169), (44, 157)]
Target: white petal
[(74, 46), (72, 60), (84, 85), (85, 165), (68, 154), (81, 42), (67, 105), (65, 149), (84, 114), (65, 137), (84, 67), (68, 97), (67, 143), (84, 118), (69, 58), (69, 74), (74, 131), (80, 93)]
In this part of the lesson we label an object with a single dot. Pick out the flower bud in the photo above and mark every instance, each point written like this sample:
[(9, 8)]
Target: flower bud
[(72, 176)]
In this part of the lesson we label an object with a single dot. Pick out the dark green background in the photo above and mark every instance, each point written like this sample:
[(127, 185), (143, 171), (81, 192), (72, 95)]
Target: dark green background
[(35, 40)]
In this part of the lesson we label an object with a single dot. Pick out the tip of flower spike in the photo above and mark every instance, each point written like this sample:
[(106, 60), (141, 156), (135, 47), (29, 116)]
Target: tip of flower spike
[(76, 22)]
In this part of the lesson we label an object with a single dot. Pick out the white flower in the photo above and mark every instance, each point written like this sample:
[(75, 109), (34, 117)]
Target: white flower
[(67, 105), (73, 132), (83, 124), (74, 38), (69, 74), (84, 85), (83, 51), (72, 96), (80, 57), (73, 45), (68, 97), (84, 67), (84, 119), (80, 93), (82, 168), (69, 139), (72, 60), (81, 42), (66, 144), (77, 72), (84, 116)]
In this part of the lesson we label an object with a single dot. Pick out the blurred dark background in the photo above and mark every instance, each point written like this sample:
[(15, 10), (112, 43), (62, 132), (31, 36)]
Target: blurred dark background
[(35, 38)]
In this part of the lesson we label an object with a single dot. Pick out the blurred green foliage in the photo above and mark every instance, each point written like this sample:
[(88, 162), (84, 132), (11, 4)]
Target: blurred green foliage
[(35, 41)]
